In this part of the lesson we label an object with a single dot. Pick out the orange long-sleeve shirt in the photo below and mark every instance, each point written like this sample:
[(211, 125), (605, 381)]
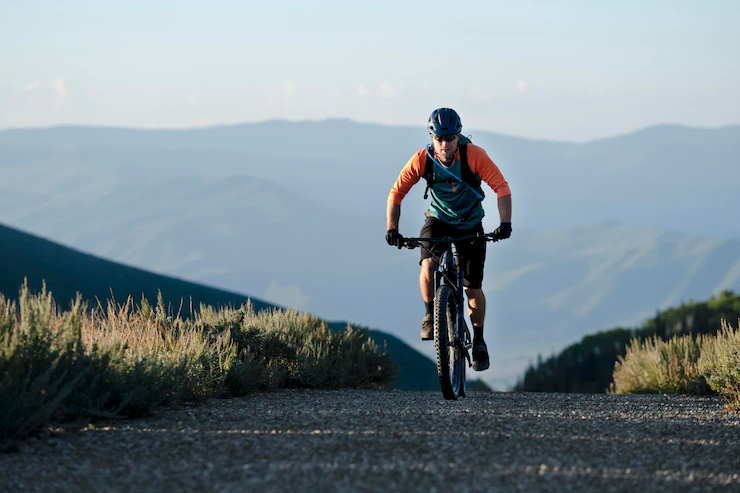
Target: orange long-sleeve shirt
[(478, 161)]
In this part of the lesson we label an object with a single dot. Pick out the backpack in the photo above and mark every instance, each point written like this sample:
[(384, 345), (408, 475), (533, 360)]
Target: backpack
[(468, 177)]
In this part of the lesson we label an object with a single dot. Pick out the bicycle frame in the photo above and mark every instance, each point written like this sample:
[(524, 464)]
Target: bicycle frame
[(442, 276), (452, 338)]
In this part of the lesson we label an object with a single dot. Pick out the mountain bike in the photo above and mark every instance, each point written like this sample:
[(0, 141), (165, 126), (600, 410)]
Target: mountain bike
[(451, 335)]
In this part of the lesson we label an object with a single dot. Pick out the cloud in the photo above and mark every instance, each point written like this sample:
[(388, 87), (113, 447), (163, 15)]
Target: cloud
[(387, 91), (60, 90), (362, 90), (521, 85), (32, 86), (289, 88)]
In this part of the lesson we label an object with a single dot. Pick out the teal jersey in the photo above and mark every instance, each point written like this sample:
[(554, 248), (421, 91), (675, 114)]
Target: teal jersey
[(453, 201)]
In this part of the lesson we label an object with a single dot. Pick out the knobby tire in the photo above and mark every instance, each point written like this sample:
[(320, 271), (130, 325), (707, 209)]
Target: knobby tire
[(450, 362)]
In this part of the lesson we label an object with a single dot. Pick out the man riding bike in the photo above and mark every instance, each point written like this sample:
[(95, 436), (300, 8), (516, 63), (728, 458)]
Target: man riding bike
[(455, 211)]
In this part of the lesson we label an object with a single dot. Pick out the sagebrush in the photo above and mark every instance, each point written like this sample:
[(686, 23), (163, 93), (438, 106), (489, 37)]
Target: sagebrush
[(699, 364), (125, 360)]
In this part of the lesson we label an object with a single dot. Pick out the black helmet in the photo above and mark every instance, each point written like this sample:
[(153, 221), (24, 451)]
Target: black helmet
[(444, 121)]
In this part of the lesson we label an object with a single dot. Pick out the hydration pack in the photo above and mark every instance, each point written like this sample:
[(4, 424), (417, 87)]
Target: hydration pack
[(467, 175)]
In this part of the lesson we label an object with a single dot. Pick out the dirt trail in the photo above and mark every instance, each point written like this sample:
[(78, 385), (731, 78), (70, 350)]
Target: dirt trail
[(396, 441)]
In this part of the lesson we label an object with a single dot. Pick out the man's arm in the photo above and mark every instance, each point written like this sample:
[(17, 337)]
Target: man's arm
[(483, 166), (504, 208), (409, 176), (393, 214)]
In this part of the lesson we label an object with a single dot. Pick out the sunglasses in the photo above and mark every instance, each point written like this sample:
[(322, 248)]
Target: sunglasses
[(446, 138)]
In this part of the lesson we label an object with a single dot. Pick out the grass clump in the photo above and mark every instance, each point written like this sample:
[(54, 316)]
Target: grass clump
[(657, 366), (42, 362), (687, 364), (126, 360), (290, 349), (720, 364)]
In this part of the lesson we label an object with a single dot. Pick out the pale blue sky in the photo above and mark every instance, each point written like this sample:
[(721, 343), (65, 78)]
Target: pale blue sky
[(558, 70)]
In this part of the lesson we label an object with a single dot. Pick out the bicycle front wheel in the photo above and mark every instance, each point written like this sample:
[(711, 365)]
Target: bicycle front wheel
[(450, 361)]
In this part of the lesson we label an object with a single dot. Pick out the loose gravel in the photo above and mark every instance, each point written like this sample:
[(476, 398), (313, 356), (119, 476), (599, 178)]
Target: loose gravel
[(369, 441)]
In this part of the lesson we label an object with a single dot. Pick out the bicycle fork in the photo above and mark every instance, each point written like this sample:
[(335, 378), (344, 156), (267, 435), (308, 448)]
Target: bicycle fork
[(462, 339)]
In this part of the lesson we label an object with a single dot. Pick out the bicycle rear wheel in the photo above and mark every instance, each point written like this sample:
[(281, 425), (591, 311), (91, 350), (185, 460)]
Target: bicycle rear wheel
[(450, 360)]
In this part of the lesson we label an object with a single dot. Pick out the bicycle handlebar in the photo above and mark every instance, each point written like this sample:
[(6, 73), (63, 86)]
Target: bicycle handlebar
[(412, 243)]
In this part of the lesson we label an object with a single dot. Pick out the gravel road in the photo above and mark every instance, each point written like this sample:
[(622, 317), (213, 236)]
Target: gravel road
[(396, 441)]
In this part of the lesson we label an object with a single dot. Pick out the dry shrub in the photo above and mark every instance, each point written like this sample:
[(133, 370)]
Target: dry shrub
[(720, 364), (657, 366), (125, 360)]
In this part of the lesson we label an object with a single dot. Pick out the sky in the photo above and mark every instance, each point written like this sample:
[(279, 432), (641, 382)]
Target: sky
[(567, 70)]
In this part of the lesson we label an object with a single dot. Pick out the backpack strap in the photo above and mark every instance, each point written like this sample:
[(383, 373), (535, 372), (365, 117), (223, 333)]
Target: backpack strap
[(428, 174), (467, 174)]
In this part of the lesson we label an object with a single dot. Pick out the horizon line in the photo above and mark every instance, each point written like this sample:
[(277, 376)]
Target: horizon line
[(353, 121)]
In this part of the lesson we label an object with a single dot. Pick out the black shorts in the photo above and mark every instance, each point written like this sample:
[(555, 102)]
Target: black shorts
[(472, 256)]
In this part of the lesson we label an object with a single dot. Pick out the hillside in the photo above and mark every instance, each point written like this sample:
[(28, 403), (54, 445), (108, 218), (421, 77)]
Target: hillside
[(67, 272), (588, 365)]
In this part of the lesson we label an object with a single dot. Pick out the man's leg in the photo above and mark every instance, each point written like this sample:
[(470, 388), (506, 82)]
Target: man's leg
[(426, 279), (473, 260), (426, 283), (477, 311), (433, 228)]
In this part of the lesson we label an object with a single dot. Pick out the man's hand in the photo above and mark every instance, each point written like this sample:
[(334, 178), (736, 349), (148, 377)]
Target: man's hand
[(503, 231), (393, 238)]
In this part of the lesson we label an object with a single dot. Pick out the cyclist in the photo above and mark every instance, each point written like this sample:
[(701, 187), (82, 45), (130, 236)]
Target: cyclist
[(455, 211)]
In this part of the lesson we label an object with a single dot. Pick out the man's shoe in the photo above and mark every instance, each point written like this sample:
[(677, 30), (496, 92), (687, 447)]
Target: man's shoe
[(480, 356), (427, 328)]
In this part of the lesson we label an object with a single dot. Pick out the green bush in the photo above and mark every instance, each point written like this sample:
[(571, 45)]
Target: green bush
[(705, 364), (125, 361), (588, 365), (41, 362), (292, 349), (657, 366), (720, 364)]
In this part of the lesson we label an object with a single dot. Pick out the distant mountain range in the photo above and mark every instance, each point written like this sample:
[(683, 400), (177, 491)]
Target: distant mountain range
[(25, 257), (605, 233), (665, 176)]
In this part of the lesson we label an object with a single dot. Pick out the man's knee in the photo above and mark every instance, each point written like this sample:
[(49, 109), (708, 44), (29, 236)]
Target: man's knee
[(428, 264), (475, 293)]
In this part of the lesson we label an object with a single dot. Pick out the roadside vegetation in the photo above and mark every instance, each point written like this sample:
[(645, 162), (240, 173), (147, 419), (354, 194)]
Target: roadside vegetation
[(588, 365), (126, 360), (686, 364)]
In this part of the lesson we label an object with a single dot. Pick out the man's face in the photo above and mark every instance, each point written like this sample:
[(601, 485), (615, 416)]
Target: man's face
[(445, 146)]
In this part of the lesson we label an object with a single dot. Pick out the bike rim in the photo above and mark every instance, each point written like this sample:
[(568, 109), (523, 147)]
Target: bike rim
[(454, 356)]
